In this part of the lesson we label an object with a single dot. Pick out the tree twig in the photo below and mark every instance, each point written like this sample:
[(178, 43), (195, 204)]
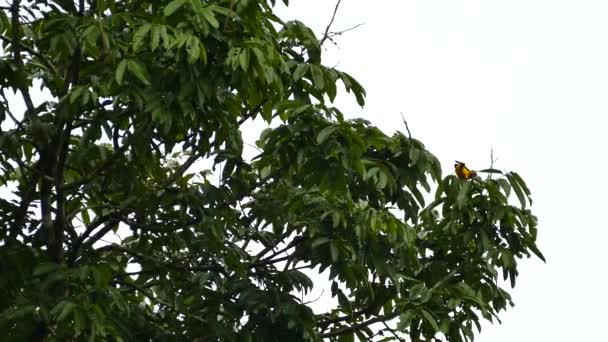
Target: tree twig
[(409, 134), (93, 174), (33, 52), (393, 332), (333, 17), (355, 327), (331, 35), (316, 299), (17, 52)]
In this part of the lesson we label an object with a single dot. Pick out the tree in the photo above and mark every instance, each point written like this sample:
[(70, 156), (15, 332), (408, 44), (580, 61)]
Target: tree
[(138, 94)]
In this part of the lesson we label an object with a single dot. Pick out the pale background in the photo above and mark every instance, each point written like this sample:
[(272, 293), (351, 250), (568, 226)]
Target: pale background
[(526, 78)]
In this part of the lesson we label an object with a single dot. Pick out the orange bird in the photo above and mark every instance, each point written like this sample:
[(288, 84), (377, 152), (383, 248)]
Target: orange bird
[(463, 172)]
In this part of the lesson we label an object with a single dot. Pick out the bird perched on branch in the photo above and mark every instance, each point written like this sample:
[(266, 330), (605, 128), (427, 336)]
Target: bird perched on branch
[(463, 172)]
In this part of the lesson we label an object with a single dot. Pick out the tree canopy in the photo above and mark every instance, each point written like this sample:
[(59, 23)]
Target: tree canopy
[(112, 228)]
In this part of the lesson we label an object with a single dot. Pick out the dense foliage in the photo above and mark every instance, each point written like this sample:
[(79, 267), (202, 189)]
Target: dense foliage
[(111, 228)]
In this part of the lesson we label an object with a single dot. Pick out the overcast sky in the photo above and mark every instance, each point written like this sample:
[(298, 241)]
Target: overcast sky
[(526, 78)]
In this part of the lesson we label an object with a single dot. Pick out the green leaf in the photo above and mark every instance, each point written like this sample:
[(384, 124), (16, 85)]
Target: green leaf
[(16, 313), (333, 249), (139, 36), (120, 71), (317, 77), (210, 17), (45, 268), (521, 182), (506, 187), (536, 251), (155, 37), (490, 171), (405, 319), (420, 294), (173, 6), (429, 318), (193, 48), (139, 71), (463, 194), (523, 185), (67, 309), (325, 133), (319, 241), (348, 337), (335, 218), (301, 69), (518, 191), (382, 180), (75, 93), (244, 59)]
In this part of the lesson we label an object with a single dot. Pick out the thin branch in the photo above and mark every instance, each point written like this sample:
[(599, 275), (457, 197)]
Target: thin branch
[(324, 324), (17, 52), (268, 260), (33, 52), (409, 134), (331, 35), (157, 300), (93, 174), (249, 113), (168, 265), (339, 33), (358, 326), (185, 166), (98, 221), (333, 17), (393, 332), (257, 148), (492, 161), (314, 300), (21, 215), (18, 123), (445, 279), (301, 267), (258, 257)]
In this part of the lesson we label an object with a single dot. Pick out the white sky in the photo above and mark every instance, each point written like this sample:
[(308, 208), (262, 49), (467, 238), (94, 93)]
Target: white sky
[(526, 78)]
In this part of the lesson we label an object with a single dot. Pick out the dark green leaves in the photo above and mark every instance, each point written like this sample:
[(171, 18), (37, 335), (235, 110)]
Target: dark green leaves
[(519, 187), (135, 68), (136, 214), (324, 134), (173, 6), (140, 34)]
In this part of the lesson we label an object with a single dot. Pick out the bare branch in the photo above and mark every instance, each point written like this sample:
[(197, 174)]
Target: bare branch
[(339, 33), (98, 221), (393, 332), (333, 17), (358, 326), (167, 265), (180, 172), (33, 52), (17, 52), (331, 35), (93, 174), (409, 134)]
